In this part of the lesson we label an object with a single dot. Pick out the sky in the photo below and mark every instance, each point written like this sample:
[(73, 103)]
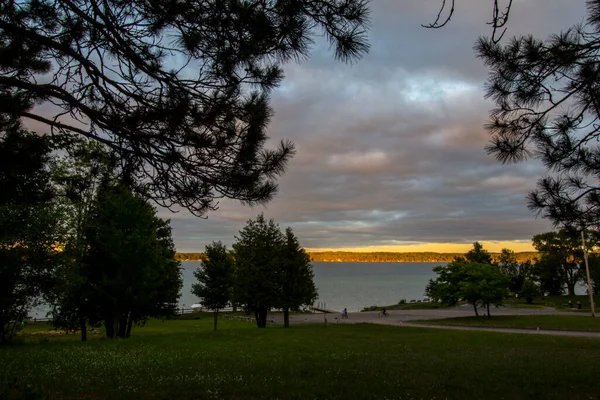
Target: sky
[(390, 150)]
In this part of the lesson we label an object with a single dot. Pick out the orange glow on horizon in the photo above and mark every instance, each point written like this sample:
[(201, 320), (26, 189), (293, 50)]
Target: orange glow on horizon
[(491, 246)]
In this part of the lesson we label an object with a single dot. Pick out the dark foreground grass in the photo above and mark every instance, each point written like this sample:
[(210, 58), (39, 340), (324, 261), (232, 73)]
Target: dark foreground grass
[(185, 360), (559, 322)]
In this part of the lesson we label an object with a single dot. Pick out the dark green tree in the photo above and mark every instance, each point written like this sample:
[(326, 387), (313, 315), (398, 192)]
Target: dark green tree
[(183, 103), (76, 177), (561, 253), (546, 94), (296, 276), (258, 257), (29, 233), (517, 272), (484, 284), (215, 278), (130, 262), (478, 255), (468, 281)]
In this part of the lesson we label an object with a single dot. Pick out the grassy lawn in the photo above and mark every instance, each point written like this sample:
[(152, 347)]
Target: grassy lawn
[(563, 322), (558, 302), (186, 360)]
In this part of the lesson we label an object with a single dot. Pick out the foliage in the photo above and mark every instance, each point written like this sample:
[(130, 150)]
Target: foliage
[(529, 290), (76, 177), (478, 255), (473, 282), (183, 103), (517, 272), (546, 94), (130, 263), (215, 278), (258, 251), (561, 258), (296, 277), (28, 226)]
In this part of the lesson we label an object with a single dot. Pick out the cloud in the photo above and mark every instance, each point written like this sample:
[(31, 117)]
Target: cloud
[(391, 149)]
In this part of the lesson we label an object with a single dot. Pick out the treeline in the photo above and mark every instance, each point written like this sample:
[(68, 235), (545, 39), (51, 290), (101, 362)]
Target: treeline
[(348, 256)]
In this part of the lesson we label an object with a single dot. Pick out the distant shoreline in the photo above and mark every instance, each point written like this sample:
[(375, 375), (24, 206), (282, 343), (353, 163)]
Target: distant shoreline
[(348, 256)]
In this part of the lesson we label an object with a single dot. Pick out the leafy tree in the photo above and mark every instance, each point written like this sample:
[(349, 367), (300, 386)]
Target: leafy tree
[(468, 281), (183, 103), (130, 262), (258, 251), (484, 284), (297, 277), (76, 176), (28, 225), (529, 290), (546, 93), (215, 278), (517, 272), (562, 253), (478, 255)]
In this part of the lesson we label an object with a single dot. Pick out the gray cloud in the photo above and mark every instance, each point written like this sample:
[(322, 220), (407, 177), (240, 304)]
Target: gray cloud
[(391, 149)]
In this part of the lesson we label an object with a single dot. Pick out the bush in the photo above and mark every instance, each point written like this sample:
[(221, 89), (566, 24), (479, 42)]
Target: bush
[(402, 301)]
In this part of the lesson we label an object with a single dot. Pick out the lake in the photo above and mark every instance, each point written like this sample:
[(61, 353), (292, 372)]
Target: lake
[(352, 285)]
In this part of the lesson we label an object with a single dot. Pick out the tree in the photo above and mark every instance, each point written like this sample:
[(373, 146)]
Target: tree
[(546, 94), (468, 281), (478, 255), (562, 252), (297, 277), (130, 262), (258, 257), (28, 226), (517, 272), (215, 278), (183, 104), (76, 176)]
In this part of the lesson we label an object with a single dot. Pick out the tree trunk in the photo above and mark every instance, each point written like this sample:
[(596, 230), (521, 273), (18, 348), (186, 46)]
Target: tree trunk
[(475, 308), (129, 325), (215, 314), (571, 288), (488, 309), (261, 321), (123, 326), (108, 324), (286, 317), (83, 328)]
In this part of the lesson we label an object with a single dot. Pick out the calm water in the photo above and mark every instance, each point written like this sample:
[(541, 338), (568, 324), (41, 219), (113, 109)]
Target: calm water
[(352, 285)]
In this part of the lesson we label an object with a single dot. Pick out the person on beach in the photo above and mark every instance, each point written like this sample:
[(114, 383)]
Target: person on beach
[(345, 313)]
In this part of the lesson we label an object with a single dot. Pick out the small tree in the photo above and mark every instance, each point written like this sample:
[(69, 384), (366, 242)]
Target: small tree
[(215, 278), (257, 251), (297, 277)]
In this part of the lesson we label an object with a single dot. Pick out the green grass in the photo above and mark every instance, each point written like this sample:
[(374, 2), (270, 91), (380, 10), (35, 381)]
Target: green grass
[(186, 360), (559, 302), (561, 322)]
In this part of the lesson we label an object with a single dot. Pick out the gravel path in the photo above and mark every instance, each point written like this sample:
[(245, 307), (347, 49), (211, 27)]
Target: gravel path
[(404, 317)]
